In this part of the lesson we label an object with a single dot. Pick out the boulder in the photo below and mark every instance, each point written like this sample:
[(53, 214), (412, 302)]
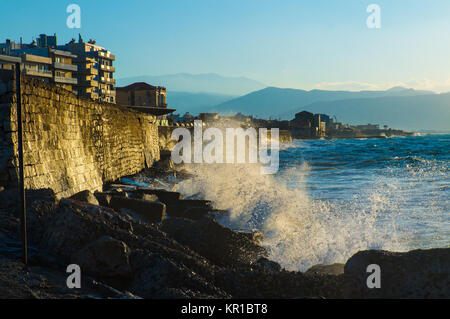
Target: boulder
[(189, 212), (255, 236), (85, 196), (147, 197), (189, 208), (161, 277), (413, 274), (164, 196), (268, 264), (152, 212), (321, 269), (104, 199), (213, 241), (105, 258), (74, 224)]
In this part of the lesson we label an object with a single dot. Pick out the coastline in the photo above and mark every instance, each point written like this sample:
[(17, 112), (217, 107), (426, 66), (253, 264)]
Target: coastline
[(146, 242)]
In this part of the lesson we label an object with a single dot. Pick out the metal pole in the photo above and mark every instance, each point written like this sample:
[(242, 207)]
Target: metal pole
[(23, 208)]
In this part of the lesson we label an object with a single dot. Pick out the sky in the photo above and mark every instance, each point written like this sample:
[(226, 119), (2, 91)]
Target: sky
[(301, 44)]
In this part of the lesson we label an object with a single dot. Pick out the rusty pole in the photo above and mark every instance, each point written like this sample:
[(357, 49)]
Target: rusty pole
[(23, 208)]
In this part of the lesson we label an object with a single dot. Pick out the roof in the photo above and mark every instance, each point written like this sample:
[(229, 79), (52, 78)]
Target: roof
[(9, 59), (139, 86), (152, 110)]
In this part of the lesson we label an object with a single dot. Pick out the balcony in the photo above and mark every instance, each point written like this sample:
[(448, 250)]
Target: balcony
[(107, 68), (65, 66), (40, 73), (106, 55), (88, 83), (61, 79), (87, 71), (107, 80)]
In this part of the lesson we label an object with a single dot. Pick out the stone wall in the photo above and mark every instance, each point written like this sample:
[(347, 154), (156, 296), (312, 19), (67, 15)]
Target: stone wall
[(71, 144)]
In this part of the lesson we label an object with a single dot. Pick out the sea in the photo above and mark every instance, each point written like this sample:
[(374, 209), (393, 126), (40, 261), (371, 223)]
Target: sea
[(334, 197)]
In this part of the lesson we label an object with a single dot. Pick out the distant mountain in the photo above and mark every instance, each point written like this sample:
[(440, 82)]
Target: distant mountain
[(198, 83), (415, 113), (284, 103), (195, 103)]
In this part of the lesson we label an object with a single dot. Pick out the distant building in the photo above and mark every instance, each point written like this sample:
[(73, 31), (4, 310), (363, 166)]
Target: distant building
[(368, 127), (308, 125), (209, 116), (146, 98), (142, 94)]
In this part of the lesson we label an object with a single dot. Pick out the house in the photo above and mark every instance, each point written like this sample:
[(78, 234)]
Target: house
[(142, 94), (145, 98)]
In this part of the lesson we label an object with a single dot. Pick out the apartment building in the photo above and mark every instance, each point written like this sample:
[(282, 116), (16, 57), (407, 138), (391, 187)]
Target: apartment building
[(63, 68), (42, 60), (96, 70), (82, 67)]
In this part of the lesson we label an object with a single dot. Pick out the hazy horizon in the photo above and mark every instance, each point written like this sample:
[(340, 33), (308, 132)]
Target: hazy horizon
[(289, 44)]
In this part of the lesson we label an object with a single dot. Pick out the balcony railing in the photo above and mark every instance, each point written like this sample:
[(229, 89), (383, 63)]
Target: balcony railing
[(88, 83), (107, 80), (65, 66), (34, 72), (61, 79), (106, 55), (108, 68), (89, 71)]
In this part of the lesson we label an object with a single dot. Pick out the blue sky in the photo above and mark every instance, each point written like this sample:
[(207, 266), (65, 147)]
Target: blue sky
[(285, 43)]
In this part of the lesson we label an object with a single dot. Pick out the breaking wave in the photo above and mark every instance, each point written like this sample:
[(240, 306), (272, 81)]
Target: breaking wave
[(306, 223)]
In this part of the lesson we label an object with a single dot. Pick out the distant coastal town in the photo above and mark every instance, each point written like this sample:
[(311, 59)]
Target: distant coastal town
[(87, 70)]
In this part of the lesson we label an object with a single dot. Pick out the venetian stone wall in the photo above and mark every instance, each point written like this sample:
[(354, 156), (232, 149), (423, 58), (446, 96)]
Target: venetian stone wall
[(71, 144)]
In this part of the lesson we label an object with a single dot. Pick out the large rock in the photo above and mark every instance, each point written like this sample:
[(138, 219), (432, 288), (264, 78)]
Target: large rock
[(219, 244), (104, 199), (321, 269), (164, 196), (161, 277), (85, 196), (414, 274), (105, 258), (74, 224), (189, 208), (152, 212)]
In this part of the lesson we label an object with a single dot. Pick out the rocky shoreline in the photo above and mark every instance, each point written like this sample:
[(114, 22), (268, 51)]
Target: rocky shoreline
[(140, 242)]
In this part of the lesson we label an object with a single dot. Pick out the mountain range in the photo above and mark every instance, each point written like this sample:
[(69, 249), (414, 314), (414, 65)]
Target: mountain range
[(198, 83), (397, 107)]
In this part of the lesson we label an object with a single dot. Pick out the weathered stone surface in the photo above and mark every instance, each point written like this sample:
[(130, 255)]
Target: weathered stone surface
[(268, 264), (255, 236), (74, 224), (73, 144), (105, 258), (189, 212), (161, 276), (188, 208), (217, 243), (85, 196), (104, 199), (321, 269), (153, 212), (415, 274), (164, 196), (147, 197)]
